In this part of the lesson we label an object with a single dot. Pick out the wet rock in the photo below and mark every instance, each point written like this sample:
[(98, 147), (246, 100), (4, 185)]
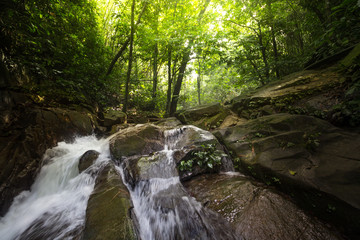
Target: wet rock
[(256, 211), (306, 157), (113, 117), (87, 159), (205, 116), (138, 140), (168, 122), (107, 213)]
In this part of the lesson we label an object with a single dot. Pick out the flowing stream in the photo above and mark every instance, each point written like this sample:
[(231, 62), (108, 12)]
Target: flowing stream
[(55, 206)]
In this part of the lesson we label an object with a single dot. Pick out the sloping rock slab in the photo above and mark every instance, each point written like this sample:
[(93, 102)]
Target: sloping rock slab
[(205, 116), (307, 157), (256, 211), (107, 213)]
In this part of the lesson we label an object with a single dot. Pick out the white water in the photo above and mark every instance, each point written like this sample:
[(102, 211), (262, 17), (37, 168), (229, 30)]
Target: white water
[(55, 206)]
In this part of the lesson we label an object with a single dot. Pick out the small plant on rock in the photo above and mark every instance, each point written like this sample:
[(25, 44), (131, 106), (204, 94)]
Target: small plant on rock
[(208, 157)]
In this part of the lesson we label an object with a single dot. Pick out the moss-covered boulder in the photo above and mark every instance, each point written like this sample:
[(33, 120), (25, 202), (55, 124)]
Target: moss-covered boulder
[(113, 117), (205, 116), (255, 210), (307, 157), (107, 213)]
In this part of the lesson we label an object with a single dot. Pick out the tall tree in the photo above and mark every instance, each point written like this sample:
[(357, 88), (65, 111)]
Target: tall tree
[(184, 61), (126, 42), (128, 75)]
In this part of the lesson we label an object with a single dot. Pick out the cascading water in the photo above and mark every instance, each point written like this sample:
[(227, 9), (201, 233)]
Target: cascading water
[(55, 206), (163, 209)]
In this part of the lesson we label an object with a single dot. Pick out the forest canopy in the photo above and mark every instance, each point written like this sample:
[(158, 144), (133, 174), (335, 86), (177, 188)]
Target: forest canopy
[(163, 55)]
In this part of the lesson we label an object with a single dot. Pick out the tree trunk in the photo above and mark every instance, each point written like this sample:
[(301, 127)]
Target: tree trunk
[(198, 83), (128, 75), (155, 74), (276, 53), (168, 99), (177, 87), (263, 53), (184, 61), (273, 38), (155, 62), (125, 44)]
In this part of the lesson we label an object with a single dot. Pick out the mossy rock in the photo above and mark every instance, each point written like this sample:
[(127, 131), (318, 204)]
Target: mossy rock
[(107, 213), (113, 117)]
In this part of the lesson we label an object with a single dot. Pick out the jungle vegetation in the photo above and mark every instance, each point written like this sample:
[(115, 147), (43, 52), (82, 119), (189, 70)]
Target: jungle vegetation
[(163, 55)]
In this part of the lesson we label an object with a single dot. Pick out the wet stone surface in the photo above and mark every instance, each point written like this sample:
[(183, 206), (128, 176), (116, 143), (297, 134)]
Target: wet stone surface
[(255, 210)]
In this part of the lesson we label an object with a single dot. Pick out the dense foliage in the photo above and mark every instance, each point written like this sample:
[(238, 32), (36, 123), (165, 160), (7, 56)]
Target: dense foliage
[(182, 51)]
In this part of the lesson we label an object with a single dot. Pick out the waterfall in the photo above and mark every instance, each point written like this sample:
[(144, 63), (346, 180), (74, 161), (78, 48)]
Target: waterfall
[(163, 209), (55, 206)]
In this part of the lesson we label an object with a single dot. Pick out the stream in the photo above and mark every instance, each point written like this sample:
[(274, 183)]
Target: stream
[(55, 206)]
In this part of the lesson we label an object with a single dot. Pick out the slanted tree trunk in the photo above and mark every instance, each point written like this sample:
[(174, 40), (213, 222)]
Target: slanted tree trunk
[(125, 44), (177, 87), (155, 75), (168, 98), (128, 75), (155, 63), (184, 61), (198, 82), (263, 53)]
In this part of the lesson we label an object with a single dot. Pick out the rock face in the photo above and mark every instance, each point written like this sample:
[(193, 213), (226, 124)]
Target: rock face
[(107, 213), (255, 210), (87, 159), (26, 131), (307, 157)]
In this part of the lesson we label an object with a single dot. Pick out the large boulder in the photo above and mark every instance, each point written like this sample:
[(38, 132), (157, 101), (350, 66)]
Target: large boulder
[(255, 210), (107, 213), (307, 157), (137, 140)]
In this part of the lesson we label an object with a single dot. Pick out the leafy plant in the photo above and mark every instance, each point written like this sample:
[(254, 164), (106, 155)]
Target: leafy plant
[(208, 157), (311, 140)]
